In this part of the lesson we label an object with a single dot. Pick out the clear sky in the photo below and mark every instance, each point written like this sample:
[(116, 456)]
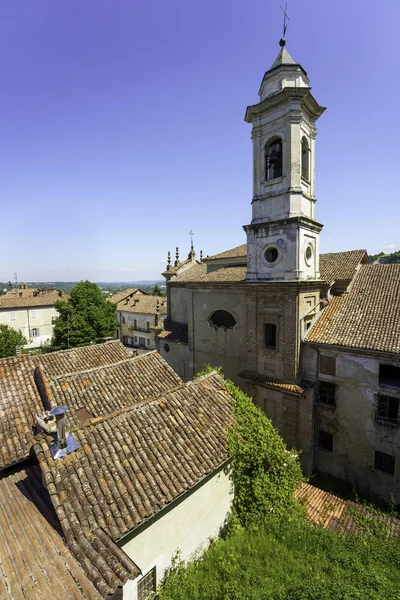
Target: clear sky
[(122, 127)]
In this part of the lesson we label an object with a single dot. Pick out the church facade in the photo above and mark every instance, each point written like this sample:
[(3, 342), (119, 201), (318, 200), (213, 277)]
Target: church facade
[(261, 310)]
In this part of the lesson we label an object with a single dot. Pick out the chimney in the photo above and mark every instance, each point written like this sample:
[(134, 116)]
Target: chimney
[(64, 443)]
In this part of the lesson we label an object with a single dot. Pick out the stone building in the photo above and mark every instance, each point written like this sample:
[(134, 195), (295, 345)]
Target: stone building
[(259, 310), (137, 313), (31, 311)]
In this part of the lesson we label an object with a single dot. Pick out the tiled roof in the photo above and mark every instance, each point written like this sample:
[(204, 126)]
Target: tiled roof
[(19, 404), (26, 300), (341, 266), (238, 252), (199, 274), (132, 464), (144, 305), (329, 511), (368, 316), (119, 296), (35, 563), (278, 385), (174, 332), (85, 357), (105, 389)]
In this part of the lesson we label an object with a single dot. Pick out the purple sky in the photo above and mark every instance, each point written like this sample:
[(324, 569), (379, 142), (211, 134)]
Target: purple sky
[(122, 127)]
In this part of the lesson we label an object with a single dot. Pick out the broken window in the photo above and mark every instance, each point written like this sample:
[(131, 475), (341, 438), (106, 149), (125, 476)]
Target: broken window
[(273, 160), (222, 318), (270, 335), (389, 375), (388, 410), (325, 440), (384, 462), (326, 393)]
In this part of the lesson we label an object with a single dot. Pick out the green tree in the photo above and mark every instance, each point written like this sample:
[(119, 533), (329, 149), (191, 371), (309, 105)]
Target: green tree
[(157, 291), (86, 318), (9, 340)]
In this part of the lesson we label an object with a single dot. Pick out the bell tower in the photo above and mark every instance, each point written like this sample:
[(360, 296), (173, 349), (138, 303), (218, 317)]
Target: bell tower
[(283, 236)]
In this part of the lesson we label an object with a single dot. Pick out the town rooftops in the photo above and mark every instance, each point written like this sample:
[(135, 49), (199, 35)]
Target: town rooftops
[(341, 266), (30, 297), (119, 296), (143, 305), (35, 563), (85, 357), (101, 390), (367, 317), (129, 466)]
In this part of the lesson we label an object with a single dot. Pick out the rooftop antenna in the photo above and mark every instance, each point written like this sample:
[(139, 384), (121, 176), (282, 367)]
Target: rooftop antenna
[(282, 41)]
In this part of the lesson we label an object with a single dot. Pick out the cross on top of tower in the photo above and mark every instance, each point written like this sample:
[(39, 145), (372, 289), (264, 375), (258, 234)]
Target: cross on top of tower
[(191, 233), (282, 41)]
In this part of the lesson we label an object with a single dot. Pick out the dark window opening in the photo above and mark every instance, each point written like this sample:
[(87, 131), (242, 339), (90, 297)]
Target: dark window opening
[(325, 441), (273, 160), (166, 347), (271, 254), (384, 462), (123, 320), (270, 335), (146, 587), (222, 318), (327, 393), (388, 410), (305, 159), (389, 375)]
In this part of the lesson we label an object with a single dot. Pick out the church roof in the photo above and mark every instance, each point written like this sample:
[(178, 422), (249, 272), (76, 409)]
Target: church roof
[(367, 317), (283, 58), (341, 266), (237, 252), (198, 274), (132, 464)]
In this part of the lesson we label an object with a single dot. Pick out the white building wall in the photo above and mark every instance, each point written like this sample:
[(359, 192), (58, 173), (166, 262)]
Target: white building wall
[(27, 319), (187, 527)]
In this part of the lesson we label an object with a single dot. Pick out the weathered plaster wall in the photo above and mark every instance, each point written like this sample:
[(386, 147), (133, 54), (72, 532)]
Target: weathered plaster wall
[(356, 433), (25, 319), (187, 527)]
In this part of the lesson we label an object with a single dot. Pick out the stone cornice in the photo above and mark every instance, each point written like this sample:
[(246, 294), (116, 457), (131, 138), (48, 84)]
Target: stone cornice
[(302, 95)]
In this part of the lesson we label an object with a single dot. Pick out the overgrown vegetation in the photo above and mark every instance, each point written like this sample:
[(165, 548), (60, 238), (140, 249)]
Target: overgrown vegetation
[(85, 318), (269, 550), (9, 340)]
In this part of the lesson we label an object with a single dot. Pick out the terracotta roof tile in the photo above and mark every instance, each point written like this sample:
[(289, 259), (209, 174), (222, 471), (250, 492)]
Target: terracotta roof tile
[(109, 388), (368, 316), (35, 563), (329, 511), (199, 274), (237, 252), (144, 304), (278, 385), (119, 296), (131, 464), (28, 299), (341, 266), (85, 357), (19, 404)]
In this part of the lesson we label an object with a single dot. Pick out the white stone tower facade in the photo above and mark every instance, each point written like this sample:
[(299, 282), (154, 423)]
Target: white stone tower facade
[(283, 236)]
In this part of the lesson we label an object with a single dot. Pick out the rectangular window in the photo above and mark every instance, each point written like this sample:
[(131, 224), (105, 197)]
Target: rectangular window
[(33, 314), (123, 320), (389, 375), (326, 393), (12, 316), (134, 324), (148, 325), (148, 341), (136, 339), (34, 332), (270, 335), (147, 586), (388, 410), (384, 462), (325, 441), (327, 365)]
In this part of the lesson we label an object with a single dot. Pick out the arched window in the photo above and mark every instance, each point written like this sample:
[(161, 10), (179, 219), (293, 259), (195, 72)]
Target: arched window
[(305, 159), (222, 318), (273, 160)]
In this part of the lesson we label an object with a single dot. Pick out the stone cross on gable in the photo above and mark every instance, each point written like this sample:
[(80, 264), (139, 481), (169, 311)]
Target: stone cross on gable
[(286, 17)]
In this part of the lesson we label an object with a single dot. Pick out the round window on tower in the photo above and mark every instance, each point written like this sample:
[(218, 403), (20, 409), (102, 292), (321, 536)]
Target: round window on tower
[(308, 254), (271, 254)]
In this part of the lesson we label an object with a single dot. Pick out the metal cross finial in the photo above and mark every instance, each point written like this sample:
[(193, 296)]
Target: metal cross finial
[(284, 10), (191, 233)]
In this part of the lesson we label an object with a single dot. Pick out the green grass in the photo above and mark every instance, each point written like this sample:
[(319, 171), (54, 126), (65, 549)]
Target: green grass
[(290, 560)]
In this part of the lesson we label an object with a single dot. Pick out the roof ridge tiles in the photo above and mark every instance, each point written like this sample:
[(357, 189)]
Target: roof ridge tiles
[(99, 368)]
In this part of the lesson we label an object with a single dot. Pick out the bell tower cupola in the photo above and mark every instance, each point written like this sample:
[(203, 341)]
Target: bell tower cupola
[(283, 236)]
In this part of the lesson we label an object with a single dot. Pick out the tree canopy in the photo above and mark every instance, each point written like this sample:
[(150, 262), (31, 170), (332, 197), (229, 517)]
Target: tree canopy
[(85, 318), (9, 340)]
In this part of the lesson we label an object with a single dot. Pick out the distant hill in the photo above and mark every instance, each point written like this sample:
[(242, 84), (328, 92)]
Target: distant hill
[(385, 259), (105, 286)]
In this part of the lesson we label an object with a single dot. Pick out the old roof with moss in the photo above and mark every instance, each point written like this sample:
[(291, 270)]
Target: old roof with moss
[(367, 317), (30, 297), (130, 465)]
